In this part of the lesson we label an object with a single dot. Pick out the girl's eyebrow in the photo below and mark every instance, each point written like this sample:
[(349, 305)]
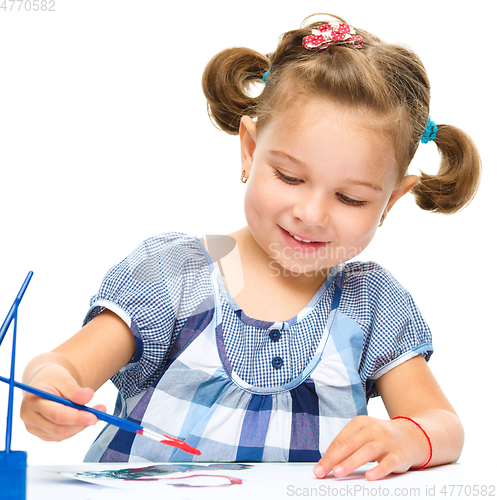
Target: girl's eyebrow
[(363, 183), (301, 164)]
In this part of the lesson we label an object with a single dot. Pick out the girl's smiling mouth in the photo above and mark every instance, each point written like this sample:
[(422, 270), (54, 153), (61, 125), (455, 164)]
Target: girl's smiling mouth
[(301, 243)]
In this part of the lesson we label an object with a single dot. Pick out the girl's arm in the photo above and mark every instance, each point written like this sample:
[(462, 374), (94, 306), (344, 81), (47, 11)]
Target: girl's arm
[(75, 370), (409, 390)]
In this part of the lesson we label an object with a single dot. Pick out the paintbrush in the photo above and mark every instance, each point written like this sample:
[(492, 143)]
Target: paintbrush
[(111, 419)]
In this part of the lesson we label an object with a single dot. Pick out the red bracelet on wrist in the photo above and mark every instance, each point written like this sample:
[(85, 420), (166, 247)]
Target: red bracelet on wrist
[(427, 437)]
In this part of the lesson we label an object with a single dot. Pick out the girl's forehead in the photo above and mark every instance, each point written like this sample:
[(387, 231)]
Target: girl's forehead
[(323, 133), (326, 113), (328, 125)]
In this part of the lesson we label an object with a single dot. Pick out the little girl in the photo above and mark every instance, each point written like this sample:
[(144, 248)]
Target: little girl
[(265, 345)]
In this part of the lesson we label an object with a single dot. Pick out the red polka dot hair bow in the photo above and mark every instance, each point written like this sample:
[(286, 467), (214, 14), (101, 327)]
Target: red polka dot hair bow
[(332, 34)]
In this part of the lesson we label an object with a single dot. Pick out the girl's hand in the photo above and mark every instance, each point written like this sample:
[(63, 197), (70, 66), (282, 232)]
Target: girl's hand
[(396, 445), (74, 370), (53, 421)]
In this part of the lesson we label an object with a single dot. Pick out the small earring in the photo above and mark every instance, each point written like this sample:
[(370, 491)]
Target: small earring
[(243, 178), (382, 220)]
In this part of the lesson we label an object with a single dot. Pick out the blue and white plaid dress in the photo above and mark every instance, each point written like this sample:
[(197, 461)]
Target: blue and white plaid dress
[(237, 388)]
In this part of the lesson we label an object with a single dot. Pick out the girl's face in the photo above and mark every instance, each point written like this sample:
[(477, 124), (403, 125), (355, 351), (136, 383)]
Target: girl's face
[(317, 174)]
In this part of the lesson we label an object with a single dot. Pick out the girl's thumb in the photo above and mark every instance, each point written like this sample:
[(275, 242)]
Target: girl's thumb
[(77, 394)]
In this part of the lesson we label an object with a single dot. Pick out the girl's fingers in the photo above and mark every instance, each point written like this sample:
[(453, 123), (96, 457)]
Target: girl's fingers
[(386, 466), (352, 438), (53, 421), (369, 452), (362, 440), (63, 415), (47, 430), (80, 395)]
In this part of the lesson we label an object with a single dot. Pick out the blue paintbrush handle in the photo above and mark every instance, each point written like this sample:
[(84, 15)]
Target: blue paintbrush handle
[(15, 305), (111, 419)]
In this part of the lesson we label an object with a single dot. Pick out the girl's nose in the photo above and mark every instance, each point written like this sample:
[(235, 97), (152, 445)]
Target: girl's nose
[(312, 210)]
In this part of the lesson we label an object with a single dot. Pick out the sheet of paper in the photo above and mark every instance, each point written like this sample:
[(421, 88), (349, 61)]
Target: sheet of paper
[(176, 475)]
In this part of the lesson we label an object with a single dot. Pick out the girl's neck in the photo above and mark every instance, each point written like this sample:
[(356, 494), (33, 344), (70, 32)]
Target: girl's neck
[(254, 281), (256, 262)]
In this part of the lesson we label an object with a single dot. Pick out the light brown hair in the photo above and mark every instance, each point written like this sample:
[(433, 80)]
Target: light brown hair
[(388, 80)]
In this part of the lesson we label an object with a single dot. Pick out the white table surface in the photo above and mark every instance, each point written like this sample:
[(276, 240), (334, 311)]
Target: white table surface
[(274, 481)]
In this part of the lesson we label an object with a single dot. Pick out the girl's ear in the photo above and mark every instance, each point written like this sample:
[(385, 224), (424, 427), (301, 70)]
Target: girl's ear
[(406, 184), (248, 133)]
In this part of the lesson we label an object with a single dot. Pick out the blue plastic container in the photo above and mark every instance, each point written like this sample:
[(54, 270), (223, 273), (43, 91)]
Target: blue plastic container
[(13, 466)]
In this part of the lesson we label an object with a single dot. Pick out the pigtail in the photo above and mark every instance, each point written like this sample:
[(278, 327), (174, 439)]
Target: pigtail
[(226, 83), (458, 177)]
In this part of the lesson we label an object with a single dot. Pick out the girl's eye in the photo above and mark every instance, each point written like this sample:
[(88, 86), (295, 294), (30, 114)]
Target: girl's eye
[(284, 178), (350, 201), (343, 198)]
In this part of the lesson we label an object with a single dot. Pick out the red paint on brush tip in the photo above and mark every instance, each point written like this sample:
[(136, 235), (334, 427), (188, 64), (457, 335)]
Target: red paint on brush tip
[(177, 443), (181, 445)]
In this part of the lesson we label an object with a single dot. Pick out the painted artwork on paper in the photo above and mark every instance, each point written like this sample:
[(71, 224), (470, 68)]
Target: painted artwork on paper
[(179, 475)]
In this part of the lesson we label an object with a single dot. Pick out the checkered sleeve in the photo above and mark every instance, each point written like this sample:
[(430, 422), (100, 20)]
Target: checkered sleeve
[(144, 290), (394, 330)]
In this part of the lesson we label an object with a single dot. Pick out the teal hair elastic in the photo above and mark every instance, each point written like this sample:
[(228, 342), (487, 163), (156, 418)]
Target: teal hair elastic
[(266, 74), (430, 131)]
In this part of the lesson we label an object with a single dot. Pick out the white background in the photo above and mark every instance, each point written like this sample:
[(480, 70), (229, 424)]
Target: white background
[(105, 140)]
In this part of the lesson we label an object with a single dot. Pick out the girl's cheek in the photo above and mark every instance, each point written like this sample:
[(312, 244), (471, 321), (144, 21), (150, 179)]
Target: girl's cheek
[(360, 231)]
